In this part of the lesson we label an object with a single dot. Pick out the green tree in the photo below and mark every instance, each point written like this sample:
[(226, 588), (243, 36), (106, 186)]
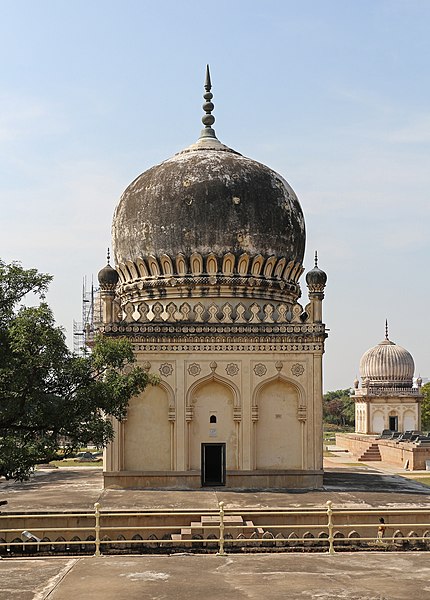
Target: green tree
[(425, 407), (49, 395), (339, 408)]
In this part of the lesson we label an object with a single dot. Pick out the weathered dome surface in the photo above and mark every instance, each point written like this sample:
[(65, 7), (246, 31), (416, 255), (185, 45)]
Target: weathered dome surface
[(387, 365), (208, 199), (108, 276)]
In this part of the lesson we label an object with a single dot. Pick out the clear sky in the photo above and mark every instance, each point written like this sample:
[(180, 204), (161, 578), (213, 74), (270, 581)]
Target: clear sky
[(332, 94)]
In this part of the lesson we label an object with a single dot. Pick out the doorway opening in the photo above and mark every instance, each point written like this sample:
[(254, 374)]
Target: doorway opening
[(394, 421), (213, 464)]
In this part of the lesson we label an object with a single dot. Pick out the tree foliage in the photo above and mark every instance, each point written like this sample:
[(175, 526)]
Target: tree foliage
[(339, 408), (425, 407), (48, 395)]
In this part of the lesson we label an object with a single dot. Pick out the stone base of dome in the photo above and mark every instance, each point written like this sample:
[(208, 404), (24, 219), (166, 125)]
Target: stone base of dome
[(189, 480)]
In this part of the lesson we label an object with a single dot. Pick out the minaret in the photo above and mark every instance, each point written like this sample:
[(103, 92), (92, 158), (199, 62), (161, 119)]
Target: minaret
[(108, 279), (316, 280)]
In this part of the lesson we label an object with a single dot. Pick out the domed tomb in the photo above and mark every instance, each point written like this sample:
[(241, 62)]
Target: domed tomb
[(387, 365), (208, 253), (387, 401), (209, 216)]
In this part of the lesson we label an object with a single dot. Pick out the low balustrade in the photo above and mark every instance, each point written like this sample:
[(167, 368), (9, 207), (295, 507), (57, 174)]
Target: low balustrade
[(221, 531)]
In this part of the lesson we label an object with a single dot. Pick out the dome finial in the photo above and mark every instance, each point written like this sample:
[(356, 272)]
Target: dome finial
[(208, 119), (386, 329), (108, 256), (316, 258)]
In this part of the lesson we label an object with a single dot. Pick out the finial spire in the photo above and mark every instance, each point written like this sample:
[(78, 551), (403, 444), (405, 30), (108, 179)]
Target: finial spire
[(316, 258), (208, 119), (108, 256), (386, 329)]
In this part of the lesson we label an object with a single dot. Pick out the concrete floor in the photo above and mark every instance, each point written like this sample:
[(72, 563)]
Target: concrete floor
[(345, 484), (363, 576)]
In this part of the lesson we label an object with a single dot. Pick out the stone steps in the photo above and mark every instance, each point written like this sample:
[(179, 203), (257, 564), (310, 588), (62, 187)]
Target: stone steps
[(371, 454), (209, 526)]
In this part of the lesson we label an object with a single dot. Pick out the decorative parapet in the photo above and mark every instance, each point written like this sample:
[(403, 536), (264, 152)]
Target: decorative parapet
[(244, 311), (387, 391)]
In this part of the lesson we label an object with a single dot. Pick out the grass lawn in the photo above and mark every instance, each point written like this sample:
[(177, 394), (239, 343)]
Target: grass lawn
[(423, 480), (74, 462)]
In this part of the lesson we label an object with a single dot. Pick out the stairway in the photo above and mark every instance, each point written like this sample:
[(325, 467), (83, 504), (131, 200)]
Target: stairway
[(208, 527), (372, 453)]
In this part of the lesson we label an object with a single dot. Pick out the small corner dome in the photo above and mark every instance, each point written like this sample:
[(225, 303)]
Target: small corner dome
[(387, 365), (108, 276), (316, 278)]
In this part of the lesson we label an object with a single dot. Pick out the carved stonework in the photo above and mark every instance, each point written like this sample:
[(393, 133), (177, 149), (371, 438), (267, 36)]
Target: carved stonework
[(254, 414), (297, 369), (301, 413), (213, 366), (258, 312), (237, 413), (260, 370), (166, 369), (194, 369), (146, 365), (278, 365), (232, 369)]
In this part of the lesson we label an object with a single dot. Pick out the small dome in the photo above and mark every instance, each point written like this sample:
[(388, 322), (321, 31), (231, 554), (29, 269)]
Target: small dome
[(316, 278), (387, 365), (108, 277)]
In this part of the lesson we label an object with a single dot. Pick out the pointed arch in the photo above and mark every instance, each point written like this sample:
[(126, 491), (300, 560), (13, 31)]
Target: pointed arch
[(279, 409)]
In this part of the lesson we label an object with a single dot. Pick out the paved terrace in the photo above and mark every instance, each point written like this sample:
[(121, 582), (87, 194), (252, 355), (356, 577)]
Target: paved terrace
[(363, 576), (346, 483)]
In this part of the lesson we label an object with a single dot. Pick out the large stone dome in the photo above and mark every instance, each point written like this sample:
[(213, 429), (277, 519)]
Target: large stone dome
[(207, 223), (208, 199), (387, 365)]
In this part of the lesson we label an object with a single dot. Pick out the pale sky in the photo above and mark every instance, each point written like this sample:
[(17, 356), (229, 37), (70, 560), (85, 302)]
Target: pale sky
[(332, 94)]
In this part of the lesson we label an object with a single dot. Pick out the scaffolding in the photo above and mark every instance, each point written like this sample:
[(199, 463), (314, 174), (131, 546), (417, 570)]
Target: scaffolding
[(83, 331)]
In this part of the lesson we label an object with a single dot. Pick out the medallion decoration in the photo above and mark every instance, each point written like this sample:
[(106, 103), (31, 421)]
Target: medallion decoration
[(146, 365), (194, 369), (166, 369), (260, 370), (232, 369), (297, 369)]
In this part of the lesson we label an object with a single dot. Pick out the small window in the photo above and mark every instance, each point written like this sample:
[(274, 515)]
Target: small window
[(212, 419)]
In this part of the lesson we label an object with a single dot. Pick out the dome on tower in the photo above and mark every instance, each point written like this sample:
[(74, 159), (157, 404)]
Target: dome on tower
[(108, 277), (210, 202), (387, 365)]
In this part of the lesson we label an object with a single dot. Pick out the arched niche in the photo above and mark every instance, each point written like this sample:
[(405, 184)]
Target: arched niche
[(148, 435), (278, 431), (409, 420), (378, 421), (213, 395)]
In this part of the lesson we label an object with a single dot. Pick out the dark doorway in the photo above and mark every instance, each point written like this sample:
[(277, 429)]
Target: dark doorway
[(213, 464), (394, 423)]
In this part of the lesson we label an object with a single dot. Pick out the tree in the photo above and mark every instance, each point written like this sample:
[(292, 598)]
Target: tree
[(425, 407), (47, 393), (339, 408)]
